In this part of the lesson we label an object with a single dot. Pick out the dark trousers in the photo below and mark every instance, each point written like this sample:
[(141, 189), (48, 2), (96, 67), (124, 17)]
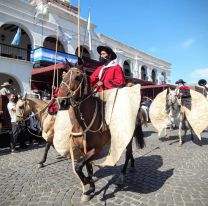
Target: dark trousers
[(186, 102), (18, 134)]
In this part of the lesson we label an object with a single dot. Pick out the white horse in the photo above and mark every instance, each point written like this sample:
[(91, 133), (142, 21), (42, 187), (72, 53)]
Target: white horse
[(177, 115)]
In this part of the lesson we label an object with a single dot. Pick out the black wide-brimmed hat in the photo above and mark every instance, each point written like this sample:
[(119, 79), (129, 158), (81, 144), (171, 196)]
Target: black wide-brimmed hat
[(180, 81), (108, 50), (202, 82)]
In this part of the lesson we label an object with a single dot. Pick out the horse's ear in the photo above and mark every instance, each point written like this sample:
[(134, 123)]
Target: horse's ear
[(168, 90), (24, 97), (69, 63)]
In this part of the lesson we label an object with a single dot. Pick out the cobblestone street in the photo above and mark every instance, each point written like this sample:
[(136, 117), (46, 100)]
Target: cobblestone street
[(166, 174)]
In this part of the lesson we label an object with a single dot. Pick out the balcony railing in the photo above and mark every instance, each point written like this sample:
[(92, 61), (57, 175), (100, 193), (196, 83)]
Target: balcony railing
[(14, 52), (64, 5)]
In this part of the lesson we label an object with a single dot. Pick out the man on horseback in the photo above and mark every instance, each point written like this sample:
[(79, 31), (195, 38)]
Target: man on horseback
[(109, 75), (183, 93)]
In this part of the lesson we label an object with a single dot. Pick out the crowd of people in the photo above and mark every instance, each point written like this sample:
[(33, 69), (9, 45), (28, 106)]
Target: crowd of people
[(21, 132)]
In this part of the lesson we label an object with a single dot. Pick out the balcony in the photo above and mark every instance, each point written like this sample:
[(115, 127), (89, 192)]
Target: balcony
[(64, 5), (14, 52), (42, 57)]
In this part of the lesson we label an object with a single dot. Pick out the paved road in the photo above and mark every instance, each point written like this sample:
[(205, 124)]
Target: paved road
[(166, 174)]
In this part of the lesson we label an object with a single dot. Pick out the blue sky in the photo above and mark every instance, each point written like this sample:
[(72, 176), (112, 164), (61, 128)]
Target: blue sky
[(173, 30)]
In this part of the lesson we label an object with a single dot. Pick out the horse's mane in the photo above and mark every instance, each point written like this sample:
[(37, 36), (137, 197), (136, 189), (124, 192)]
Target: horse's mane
[(37, 101)]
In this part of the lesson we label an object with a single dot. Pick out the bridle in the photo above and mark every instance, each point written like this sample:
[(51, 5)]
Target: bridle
[(76, 104), (174, 103), (21, 113), (70, 93)]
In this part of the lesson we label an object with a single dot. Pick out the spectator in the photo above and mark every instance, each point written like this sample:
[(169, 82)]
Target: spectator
[(6, 89), (17, 128), (34, 128)]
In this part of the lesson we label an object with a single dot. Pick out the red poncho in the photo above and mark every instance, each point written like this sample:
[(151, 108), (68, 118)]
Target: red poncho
[(111, 75)]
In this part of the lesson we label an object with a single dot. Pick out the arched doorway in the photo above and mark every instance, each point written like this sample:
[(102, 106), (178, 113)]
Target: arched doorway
[(126, 68), (153, 75), (144, 72), (50, 43), (20, 51), (163, 74), (15, 87), (84, 53)]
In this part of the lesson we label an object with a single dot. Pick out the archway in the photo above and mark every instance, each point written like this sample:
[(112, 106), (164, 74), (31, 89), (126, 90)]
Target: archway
[(50, 43), (84, 53), (16, 88), (144, 72), (163, 74), (126, 68), (20, 51), (153, 75)]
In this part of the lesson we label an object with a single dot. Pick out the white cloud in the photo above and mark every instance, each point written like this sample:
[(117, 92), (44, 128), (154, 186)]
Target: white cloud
[(187, 43), (200, 74)]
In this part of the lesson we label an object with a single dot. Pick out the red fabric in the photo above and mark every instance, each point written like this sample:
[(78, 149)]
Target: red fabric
[(112, 74), (56, 92), (184, 88), (53, 107)]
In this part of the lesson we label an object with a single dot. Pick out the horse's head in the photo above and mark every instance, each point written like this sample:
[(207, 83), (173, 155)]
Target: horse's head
[(171, 97), (23, 109), (74, 83), (173, 103)]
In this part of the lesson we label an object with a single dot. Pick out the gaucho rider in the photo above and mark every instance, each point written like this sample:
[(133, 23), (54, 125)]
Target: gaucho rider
[(109, 75), (184, 94)]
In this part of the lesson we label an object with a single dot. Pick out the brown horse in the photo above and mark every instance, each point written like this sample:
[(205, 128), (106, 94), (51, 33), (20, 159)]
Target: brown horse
[(88, 123), (25, 106)]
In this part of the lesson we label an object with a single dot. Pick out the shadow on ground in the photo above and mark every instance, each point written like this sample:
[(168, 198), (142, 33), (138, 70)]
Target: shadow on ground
[(146, 179)]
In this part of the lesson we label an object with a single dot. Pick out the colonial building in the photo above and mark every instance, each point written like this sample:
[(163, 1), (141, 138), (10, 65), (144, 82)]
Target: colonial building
[(46, 24)]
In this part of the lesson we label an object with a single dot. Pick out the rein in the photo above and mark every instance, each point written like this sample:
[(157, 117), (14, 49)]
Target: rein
[(70, 92), (27, 118)]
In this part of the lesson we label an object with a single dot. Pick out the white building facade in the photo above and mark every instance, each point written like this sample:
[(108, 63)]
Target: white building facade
[(42, 22)]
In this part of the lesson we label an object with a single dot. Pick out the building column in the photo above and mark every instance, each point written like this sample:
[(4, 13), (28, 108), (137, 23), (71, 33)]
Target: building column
[(139, 71), (148, 74), (135, 70)]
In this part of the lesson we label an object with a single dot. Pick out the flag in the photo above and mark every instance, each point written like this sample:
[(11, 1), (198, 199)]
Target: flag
[(17, 37), (89, 32), (65, 37)]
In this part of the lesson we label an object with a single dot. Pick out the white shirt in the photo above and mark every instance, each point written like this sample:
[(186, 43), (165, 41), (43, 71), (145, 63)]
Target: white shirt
[(4, 91), (10, 106)]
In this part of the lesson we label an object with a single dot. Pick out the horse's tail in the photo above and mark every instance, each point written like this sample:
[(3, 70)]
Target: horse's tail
[(144, 116), (139, 135)]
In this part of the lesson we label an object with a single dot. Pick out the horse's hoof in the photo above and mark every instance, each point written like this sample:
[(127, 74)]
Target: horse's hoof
[(180, 144), (86, 198), (132, 169), (41, 165), (94, 179)]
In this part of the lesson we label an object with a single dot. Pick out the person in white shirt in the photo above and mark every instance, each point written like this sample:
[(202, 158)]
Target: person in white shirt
[(16, 128), (6, 89)]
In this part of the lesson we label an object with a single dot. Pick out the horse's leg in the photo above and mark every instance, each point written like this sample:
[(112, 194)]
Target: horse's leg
[(180, 128), (86, 196), (129, 156), (90, 175), (47, 147)]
